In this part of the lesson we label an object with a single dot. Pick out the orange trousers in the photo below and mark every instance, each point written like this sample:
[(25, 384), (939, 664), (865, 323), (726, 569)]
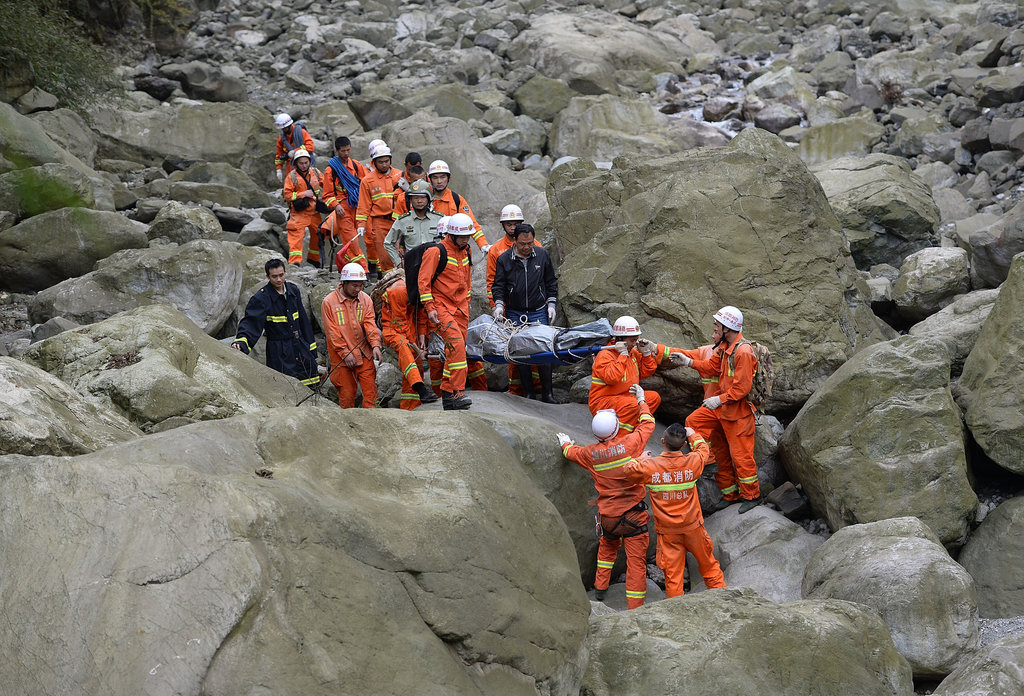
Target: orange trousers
[(345, 378), (476, 375), (453, 328), (376, 230), (514, 385), (410, 369), (296, 226), (671, 558), (626, 408), (636, 566), (737, 470)]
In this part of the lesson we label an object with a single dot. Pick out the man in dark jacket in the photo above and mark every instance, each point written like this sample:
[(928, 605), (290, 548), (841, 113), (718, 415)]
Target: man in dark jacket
[(276, 309), (525, 290)]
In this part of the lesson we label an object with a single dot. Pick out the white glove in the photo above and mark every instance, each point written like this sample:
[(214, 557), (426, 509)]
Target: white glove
[(403, 184), (712, 402), (551, 314), (690, 432), (485, 248), (638, 391), (499, 312), (280, 175), (361, 231), (564, 440), (680, 359), (621, 347), (645, 346)]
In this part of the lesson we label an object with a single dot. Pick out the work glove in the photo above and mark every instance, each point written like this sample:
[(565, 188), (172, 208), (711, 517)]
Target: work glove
[(564, 440), (712, 402), (551, 314), (621, 347), (280, 175), (645, 346), (499, 312), (638, 391), (361, 231), (680, 359), (690, 432), (403, 184), (485, 248)]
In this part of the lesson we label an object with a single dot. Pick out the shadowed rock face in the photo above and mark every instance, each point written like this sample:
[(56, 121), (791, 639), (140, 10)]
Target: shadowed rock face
[(383, 556), (993, 556), (671, 239)]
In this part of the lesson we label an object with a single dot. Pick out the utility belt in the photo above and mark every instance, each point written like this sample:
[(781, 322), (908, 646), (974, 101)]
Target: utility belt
[(631, 523)]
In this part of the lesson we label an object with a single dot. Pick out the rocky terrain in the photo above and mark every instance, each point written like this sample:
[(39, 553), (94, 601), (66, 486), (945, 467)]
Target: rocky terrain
[(850, 174)]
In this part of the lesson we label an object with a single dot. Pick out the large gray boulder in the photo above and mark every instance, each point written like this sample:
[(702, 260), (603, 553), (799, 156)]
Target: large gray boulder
[(40, 414), (929, 280), (604, 127), (755, 222), (180, 223), (898, 568), (240, 134), (24, 143), (852, 136), (201, 279), (593, 51), (477, 175), (357, 563), (996, 669), (992, 244), (249, 193), (736, 642), (34, 190), (994, 556), (993, 376), (54, 246), (882, 438), (69, 130), (157, 369), (761, 550), (201, 80), (886, 211), (958, 325)]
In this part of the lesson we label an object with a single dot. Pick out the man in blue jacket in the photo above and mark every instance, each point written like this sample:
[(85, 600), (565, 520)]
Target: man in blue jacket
[(525, 290), (276, 310)]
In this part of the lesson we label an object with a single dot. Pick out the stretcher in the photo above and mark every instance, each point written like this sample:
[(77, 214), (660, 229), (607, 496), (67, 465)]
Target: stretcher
[(503, 342)]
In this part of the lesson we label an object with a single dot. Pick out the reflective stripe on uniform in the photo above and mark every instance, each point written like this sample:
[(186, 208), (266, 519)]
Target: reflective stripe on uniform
[(671, 486), (277, 318), (595, 380), (311, 381), (242, 339), (631, 594), (612, 465), (625, 426), (749, 479), (731, 489), (605, 564)]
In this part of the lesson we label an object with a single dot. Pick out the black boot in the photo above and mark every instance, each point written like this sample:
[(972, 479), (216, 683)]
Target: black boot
[(526, 381), (447, 401), (461, 401), (426, 396), (372, 273), (545, 385)]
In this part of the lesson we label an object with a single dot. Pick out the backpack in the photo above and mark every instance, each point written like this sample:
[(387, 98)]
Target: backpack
[(413, 259), (764, 374), (389, 279), (297, 141)]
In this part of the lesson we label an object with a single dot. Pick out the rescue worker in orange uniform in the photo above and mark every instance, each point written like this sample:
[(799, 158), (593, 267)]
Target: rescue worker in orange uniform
[(672, 480), (511, 215), (292, 137), (339, 229), (376, 204), (341, 186), (447, 202), (400, 335), (620, 502), (728, 414), (302, 190), (353, 340), (623, 363), (446, 301)]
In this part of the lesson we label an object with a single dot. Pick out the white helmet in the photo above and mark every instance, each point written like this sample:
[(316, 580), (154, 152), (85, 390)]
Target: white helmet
[(511, 213), (282, 121), (373, 144), (730, 318), (605, 423), (352, 271), (438, 167), (442, 226), (381, 150), (626, 326), (460, 225), (299, 152)]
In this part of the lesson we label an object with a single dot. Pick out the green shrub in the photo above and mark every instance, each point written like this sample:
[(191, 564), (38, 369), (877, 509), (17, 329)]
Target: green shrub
[(40, 44)]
